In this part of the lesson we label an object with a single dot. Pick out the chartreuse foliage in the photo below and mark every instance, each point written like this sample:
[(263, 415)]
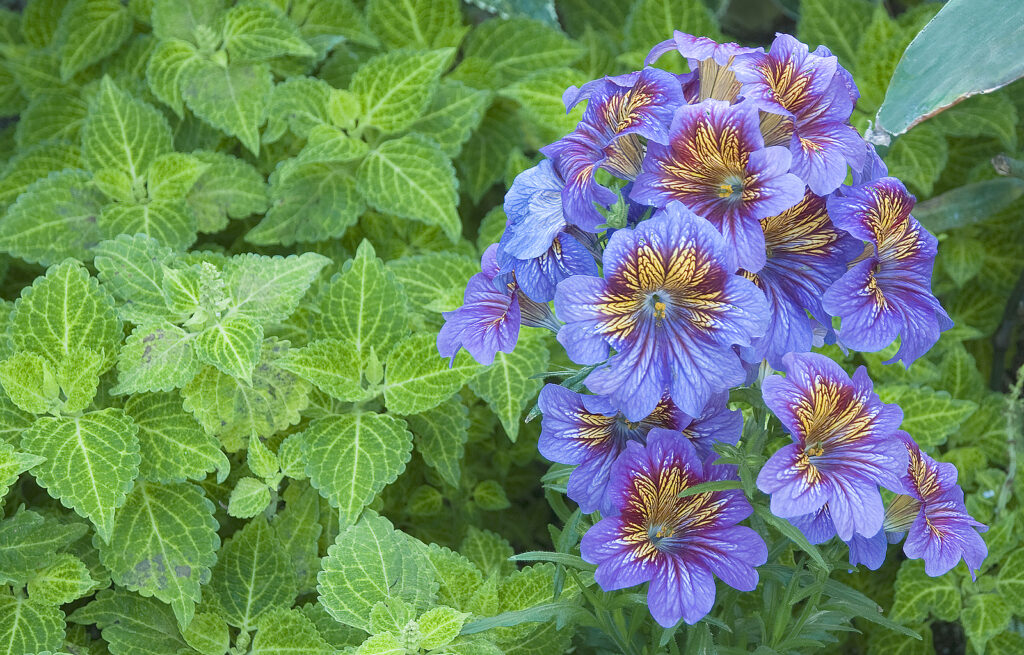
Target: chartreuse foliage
[(229, 230)]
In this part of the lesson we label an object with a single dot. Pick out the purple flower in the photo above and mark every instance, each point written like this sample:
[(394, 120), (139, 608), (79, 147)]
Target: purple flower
[(817, 96), (805, 255), (678, 544), (671, 307), (844, 445), (888, 293), (716, 164), (712, 61), (538, 245), (619, 111), (939, 529), (819, 528)]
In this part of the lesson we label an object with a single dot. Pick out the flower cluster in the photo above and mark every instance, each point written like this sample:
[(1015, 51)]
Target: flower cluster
[(691, 231)]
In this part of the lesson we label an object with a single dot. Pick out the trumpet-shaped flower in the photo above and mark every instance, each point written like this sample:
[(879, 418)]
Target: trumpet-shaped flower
[(677, 544), (716, 164), (671, 307), (844, 445)]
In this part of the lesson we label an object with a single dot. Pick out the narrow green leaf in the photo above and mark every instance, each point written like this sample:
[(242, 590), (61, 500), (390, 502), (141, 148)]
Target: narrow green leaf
[(792, 533)]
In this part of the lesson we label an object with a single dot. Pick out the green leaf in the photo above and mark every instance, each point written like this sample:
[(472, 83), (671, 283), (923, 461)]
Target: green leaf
[(434, 282), (351, 457), (540, 96), (328, 144), (793, 533), (29, 626), (962, 258), (252, 576), (156, 356), (130, 268), (421, 24), (652, 21), (419, 379), (396, 88), (124, 132), (485, 156), (917, 595), (332, 365), (918, 158), (985, 616), (249, 497), (79, 376), (457, 576), (508, 384), (363, 306), (33, 162), (968, 204), (424, 501), (29, 542), (173, 446), (929, 416), (983, 115), (261, 460), (53, 116), (920, 89), (132, 624), (517, 47), (232, 410), (168, 66), (168, 221), (490, 495), (228, 188), (181, 19), (253, 32), (54, 218), (455, 112), (440, 626), (172, 176), (298, 104), (881, 45), (12, 464), (91, 462), (371, 562), (385, 643), (163, 544), (285, 630), (30, 383), (208, 634), (39, 21), (91, 30), (322, 23), (232, 345), (66, 578), (440, 435), (268, 289), (232, 98), (298, 529), (489, 551), (1010, 580), (411, 177), (312, 202), (836, 24)]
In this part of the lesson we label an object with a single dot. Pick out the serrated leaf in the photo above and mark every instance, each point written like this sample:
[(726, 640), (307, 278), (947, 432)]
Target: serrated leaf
[(54, 218), (79, 377), (411, 177), (982, 115), (181, 19), (173, 446), (232, 98), (324, 23), (130, 267), (363, 306), (540, 96), (132, 624), (156, 357), (249, 497), (252, 576), (431, 281), (91, 30), (985, 616), (328, 144), (298, 529), (488, 550), (208, 634), (63, 311), (421, 24), (29, 626), (64, 579), (351, 457), (298, 104), (332, 365), (253, 32), (490, 495), (170, 222), (917, 595), (91, 462), (454, 113), (962, 258), (313, 202), (652, 21), (929, 416), (268, 289), (28, 541), (232, 345), (385, 643), (228, 188), (30, 383), (508, 384), (261, 460), (52, 116), (836, 24), (285, 630), (39, 21), (457, 576), (918, 158), (371, 562), (484, 158), (232, 410), (440, 435), (123, 131), (163, 544), (172, 176), (167, 68), (34, 162), (396, 88), (418, 379), (12, 464), (517, 47), (115, 184)]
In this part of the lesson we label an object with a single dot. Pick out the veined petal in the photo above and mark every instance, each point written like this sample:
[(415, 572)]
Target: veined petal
[(821, 152), (533, 206)]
